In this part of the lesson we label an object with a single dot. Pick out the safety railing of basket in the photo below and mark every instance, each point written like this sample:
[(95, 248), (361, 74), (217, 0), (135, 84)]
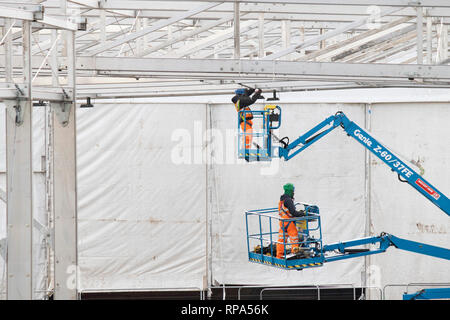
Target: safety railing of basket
[(271, 237)]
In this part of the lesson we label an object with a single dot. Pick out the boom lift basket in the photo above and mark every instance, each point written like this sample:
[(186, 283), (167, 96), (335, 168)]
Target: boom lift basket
[(263, 122), (262, 227)]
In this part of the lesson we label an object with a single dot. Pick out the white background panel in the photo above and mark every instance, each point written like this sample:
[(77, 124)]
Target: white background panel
[(141, 216), (416, 131), (329, 174)]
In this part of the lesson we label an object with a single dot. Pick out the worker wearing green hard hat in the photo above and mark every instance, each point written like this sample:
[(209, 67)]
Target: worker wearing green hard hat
[(289, 189), (288, 231)]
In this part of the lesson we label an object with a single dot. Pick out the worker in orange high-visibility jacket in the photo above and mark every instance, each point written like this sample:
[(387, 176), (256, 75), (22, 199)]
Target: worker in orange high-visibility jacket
[(242, 101), (288, 232)]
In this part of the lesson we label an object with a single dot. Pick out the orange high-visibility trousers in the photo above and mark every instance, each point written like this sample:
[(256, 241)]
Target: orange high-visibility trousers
[(290, 235), (247, 130), (288, 232)]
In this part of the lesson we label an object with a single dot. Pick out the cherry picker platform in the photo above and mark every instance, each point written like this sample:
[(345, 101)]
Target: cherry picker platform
[(261, 135)]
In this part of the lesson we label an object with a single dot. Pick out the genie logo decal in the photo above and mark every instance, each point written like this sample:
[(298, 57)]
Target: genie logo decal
[(427, 188), (384, 154), (361, 137)]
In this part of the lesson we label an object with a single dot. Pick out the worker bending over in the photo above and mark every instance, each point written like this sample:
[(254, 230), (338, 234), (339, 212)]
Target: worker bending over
[(288, 231), (242, 100)]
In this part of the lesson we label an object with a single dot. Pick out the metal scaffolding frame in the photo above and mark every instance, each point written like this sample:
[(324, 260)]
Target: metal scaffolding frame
[(58, 51), (133, 33), (19, 92)]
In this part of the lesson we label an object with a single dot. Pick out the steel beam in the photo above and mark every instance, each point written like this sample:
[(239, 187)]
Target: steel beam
[(270, 26), (58, 23), (354, 41), (325, 36), (387, 50), (157, 26), (396, 3), (187, 35), (371, 41), (296, 14), (261, 67), (14, 13), (211, 40)]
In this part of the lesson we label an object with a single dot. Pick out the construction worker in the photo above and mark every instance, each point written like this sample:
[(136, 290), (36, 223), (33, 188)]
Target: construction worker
[(288, 231), (242, 101)]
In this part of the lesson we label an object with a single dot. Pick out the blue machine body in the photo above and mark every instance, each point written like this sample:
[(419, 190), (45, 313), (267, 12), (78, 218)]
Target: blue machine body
[(370, 143), (428, 294)]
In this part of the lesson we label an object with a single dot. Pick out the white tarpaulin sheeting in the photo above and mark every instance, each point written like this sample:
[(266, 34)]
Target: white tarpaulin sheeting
[(329, 174), (153, 213), (141, 216), (419, 132)]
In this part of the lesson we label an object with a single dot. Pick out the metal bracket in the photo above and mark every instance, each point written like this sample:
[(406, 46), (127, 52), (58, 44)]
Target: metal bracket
[(63, 108), (20, 98), (62, 111), (39, 13), (82, 24), (48, 233)]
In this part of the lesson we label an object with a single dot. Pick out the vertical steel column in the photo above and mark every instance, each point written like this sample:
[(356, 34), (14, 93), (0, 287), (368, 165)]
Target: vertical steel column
[(322, 42), (19, 181), (54, 59), (145, 24), (8, 50), (237, 32), (139, 41), (429, 40), (64, 186), (261, 35), (286, 36), (368, 191), (302, 39), (169, 36), (419, 35), (444, 41), (207, 280), (439, 30), (102, 24)]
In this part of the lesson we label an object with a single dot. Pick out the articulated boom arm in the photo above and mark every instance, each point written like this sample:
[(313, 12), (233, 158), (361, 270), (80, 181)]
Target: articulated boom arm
[(360, 135), (343, 250)]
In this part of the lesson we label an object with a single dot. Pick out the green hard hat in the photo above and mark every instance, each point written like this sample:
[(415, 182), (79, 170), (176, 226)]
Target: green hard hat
[(289, 188)]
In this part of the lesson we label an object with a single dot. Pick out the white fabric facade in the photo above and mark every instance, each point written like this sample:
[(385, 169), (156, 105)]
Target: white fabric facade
[(156, 210)]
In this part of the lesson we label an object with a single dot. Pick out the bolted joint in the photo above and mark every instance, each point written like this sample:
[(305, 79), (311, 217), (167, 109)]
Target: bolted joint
[(20, 99)]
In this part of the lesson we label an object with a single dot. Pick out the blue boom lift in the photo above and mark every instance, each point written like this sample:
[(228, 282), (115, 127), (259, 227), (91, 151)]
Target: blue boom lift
[(312, 253)]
